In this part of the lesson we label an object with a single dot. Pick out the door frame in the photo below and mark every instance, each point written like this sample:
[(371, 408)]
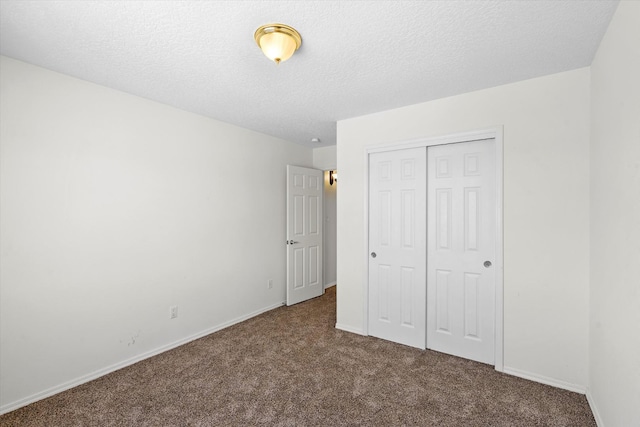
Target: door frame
[(490, 133), (324, 228)]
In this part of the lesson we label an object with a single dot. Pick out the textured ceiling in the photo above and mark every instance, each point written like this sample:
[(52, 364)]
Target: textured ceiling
[(357, 57)]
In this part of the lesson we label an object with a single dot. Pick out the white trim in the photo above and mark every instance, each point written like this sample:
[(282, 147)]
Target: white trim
[(594, 408), (109, 369), (350, 329), (328, 285), (437, 140), (499, 261), (577, 388), (365, 302), (495, 133)]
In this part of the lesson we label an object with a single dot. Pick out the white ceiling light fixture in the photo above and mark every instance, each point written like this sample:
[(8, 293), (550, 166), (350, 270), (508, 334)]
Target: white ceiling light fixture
[(278, 41)]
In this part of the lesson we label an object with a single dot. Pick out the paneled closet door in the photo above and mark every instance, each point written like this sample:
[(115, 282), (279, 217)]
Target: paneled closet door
[(397, 246), (461, 249)]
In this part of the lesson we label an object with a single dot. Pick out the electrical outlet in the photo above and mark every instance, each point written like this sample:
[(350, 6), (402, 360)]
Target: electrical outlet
[(173, 311), (270, 284)]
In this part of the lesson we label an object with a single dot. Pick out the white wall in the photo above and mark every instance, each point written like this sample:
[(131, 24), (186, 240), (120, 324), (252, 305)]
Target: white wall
[(614, 347), (324, 158), (330, 237), (114, 208), (546, 204)]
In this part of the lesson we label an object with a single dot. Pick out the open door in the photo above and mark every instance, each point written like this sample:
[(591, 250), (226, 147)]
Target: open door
[(304, 234)]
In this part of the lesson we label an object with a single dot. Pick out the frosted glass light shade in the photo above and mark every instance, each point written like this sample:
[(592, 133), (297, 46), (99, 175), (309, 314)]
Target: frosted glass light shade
[(277, 47), (278, 41)]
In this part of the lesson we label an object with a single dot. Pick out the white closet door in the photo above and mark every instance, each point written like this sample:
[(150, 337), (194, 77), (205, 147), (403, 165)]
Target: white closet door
[(397, 246), (461, 249)]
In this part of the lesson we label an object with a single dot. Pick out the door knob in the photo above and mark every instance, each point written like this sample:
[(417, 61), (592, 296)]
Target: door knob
[(373, 255), (487, 264)]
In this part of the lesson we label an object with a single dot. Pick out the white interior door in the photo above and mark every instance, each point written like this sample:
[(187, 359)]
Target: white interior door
[(397, 246), (461, 250), (304, 234)]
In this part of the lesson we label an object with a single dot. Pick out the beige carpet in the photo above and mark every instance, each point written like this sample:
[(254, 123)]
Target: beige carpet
[(291, 367)]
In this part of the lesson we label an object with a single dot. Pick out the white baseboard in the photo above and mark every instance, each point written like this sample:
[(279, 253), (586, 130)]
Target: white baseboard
[(577, 388), (594, 409), (328, 285), (349, 329), (104, 371)]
